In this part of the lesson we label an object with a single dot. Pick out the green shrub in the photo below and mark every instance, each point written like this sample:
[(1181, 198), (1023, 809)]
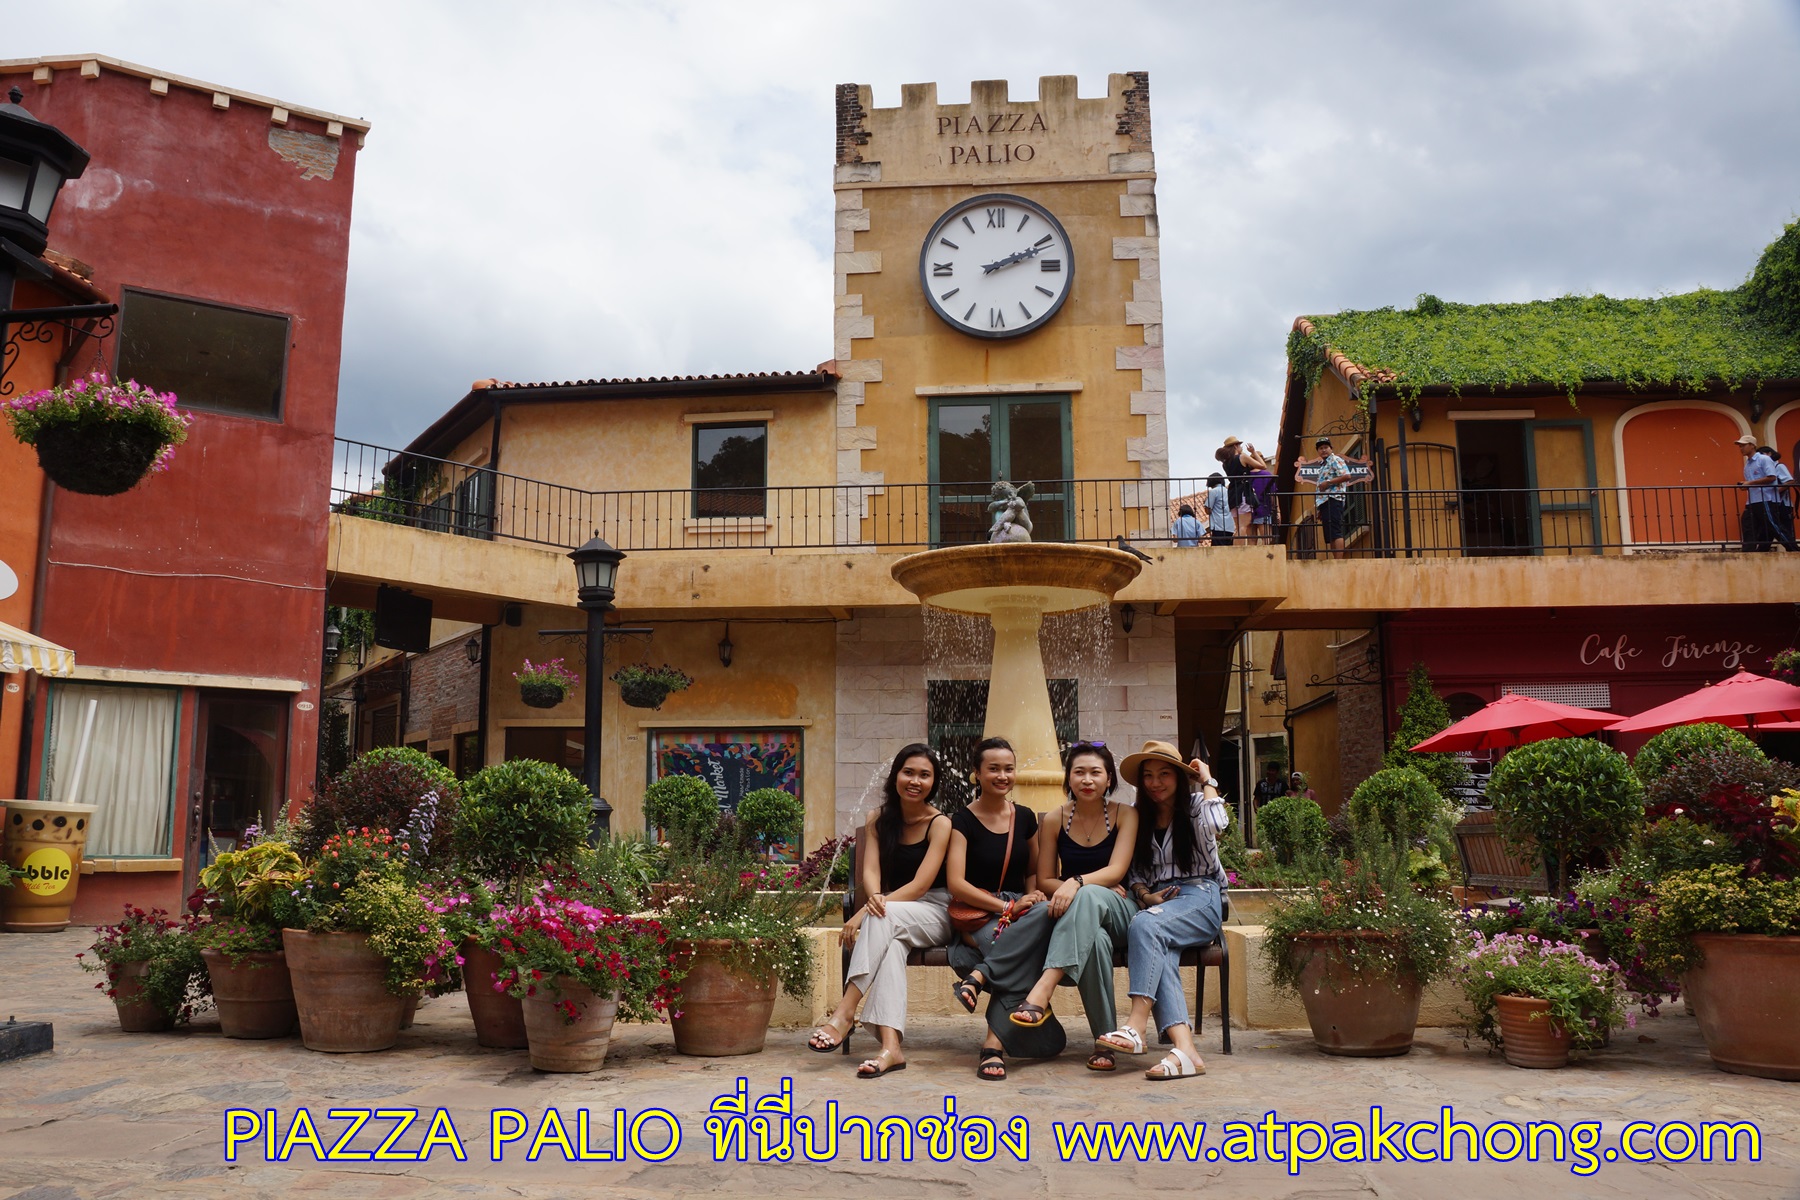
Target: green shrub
[(1679, 844), (1293, 829), (1422, 714), (383, 789), (1720, 899), (1401, 803), (1565, 799), (771, 815), (1773, 288), (518, 818), (1672, 745), (1234, 856), (682, 806)]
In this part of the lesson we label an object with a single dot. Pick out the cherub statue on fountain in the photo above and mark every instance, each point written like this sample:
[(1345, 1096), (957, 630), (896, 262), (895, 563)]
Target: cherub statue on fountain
[(1011, 522)]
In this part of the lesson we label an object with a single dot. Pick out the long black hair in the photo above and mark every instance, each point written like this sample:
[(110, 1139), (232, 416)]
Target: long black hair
[(890, 820), (1099, 751), (1181, 824)]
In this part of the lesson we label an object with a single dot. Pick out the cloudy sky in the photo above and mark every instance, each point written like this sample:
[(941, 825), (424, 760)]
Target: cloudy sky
[(568, 190)]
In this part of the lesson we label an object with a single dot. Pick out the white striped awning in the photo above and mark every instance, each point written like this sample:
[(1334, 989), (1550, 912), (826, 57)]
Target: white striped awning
[(21, 651)]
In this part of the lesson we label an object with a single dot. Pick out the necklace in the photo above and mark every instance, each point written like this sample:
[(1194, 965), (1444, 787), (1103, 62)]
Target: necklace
[(1106, 817)]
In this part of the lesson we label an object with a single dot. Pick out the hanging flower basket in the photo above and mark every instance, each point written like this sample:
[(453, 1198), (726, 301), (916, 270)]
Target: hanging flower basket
[(545, 684), (647, 687), (99, 437)]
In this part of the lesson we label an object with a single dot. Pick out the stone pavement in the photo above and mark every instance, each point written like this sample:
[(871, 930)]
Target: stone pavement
[(111, 1114)]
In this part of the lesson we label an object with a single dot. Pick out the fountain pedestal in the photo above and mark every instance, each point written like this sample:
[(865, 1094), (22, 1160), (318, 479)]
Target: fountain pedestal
[(1015, 585)]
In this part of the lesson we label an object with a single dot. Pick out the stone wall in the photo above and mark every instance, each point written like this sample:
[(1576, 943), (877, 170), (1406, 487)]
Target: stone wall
[(880, 700)]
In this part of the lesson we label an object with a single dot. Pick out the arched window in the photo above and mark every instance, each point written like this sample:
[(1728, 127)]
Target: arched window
[(1685, 451)]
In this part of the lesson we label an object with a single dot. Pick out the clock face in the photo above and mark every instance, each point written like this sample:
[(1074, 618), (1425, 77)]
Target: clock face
[(997, 266)]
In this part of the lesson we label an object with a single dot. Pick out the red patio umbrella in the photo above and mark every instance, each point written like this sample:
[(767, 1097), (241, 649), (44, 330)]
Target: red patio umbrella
[(1745, 700), (1513, 720)]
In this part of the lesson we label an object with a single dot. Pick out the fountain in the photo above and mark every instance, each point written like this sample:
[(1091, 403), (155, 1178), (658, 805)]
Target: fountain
[(1015, 583)]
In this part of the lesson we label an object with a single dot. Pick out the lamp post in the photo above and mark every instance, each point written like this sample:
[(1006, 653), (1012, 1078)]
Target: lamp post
[(596, 569), (35, 159)]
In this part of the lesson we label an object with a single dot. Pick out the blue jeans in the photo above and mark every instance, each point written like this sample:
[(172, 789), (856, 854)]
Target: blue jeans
[(1158, 936)]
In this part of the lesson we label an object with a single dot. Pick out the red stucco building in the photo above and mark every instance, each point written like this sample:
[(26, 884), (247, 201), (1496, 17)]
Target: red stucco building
[(219, 221)]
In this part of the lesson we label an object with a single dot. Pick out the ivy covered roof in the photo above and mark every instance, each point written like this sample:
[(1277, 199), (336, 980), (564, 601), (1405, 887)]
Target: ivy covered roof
[(1743, 337)]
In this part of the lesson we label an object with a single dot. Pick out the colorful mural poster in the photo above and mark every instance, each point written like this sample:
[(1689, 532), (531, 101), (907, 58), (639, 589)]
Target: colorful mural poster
[(734, 762)]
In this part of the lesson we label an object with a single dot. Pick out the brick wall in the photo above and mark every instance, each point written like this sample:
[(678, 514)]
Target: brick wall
[(1360, 741), (445, 693), (1134, 122)]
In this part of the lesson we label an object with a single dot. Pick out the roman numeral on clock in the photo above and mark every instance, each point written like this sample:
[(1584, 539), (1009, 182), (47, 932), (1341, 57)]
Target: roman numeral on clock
[(946, 241), (1049, 264), (1022, 221), (996, 218), (969, 314), (971, 228), (1045, 240), (996, 319), (943, 268)]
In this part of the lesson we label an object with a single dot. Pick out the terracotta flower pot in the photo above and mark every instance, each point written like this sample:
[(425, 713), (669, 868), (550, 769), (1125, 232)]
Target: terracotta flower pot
[(556, 1044), (340, 988), (1743, 995), (1359, 1014), (722, 1012), (1528, 1037), (255, 996), (499, 1018), (136, 1012)]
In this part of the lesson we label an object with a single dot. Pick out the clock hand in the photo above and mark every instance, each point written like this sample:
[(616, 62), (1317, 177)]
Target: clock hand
[(1009, 260)]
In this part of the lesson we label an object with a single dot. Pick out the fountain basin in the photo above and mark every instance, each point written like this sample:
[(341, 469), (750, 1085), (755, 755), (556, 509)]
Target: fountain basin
[(1052, 577), (1014, 584)]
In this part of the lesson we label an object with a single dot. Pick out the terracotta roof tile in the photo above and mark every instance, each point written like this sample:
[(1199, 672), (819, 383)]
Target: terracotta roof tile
[(828, 368), (1353, 373)]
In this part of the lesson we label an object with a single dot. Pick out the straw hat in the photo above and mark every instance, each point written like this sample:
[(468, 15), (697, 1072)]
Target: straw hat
[(1231, 441), (1161, 752)]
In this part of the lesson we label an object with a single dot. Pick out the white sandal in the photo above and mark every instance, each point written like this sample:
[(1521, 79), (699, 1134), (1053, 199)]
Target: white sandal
[(1124, 1039), (1175, 1065)]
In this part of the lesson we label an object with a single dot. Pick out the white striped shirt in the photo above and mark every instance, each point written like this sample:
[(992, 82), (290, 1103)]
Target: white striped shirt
[(1210, 817)]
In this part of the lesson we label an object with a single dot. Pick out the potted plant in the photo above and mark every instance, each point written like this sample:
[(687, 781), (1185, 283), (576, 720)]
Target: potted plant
[(242, 945), (1292, 830), (1358, 947), (1569, 800), (545, 684), (1537, 998), (516, 821), (99, 436), (154, 973), (645, 686), (1785, 666), (391, 788), (772, 816), (732, 944), (360, 942), (683, 807), (1734, 937), (575, 967)]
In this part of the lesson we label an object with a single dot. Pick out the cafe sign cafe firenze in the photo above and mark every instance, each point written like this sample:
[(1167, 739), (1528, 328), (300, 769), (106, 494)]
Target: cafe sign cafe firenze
[(1677, 650)]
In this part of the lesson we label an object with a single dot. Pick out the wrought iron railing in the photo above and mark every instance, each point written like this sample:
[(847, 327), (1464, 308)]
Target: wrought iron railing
[(449, 497)]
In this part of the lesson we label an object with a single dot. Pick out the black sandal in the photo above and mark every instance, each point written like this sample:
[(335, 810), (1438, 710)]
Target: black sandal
[(812, 1041), (1102, 1060), (990, 1062), (1029, 1015), (967, 991)]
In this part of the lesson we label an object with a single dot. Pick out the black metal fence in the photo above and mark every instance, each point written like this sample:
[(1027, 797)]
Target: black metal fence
[(448, 497)]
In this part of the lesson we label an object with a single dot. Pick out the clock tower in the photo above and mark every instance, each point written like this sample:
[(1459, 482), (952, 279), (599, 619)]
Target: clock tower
[(999, 306)]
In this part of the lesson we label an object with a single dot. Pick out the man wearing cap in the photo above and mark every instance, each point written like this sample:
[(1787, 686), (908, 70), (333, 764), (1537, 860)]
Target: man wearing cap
[(1763, 484), (1333, 478)]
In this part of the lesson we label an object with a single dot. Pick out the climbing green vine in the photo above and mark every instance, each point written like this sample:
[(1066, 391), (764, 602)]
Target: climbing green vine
[(1690, 342)]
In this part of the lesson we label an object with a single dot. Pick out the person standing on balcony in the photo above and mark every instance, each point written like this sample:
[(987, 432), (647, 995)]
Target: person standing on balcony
[(1262, 496), (1187, 530), (1237, 473), (1218, 510), (1330, 501), (1784, 503), (1763, 484)]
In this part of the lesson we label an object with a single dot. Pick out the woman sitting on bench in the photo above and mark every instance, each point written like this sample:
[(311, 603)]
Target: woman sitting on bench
[(1177, 881), (1083, 868), (907, 909), (993, 872)]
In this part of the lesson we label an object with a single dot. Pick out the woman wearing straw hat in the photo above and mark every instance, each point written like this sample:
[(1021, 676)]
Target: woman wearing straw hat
[(1177, 880)]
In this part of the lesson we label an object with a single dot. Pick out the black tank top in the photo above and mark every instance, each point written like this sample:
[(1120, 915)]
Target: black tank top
[(901, 866), (1078, 859)]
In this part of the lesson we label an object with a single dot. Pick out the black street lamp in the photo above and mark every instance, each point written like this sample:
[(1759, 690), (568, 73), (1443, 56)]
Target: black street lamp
[(35, 160), (596, 568)]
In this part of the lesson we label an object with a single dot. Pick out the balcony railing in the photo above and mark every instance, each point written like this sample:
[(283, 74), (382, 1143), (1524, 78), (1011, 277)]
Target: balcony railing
[(448, 497)]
